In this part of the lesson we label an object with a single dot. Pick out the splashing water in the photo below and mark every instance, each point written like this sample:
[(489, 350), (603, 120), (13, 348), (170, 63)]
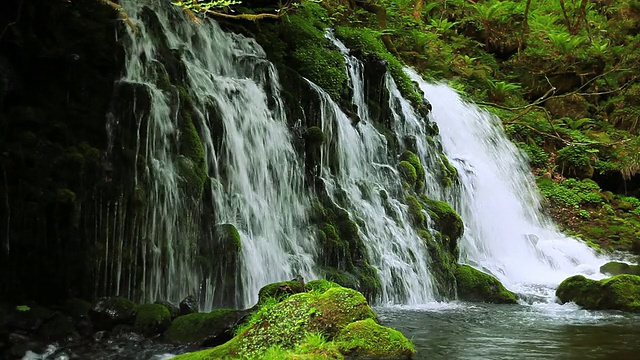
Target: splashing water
[(254, 174), (505, 231)]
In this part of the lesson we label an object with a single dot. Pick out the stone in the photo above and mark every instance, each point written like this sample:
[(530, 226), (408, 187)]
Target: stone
[(108, 312)]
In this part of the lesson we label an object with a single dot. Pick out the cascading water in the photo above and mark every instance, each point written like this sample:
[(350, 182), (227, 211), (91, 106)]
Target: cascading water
[(366, 183), (255, 179), (505, 231)]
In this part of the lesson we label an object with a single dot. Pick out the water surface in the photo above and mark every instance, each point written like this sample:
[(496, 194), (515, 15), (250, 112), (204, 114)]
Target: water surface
[(539, 331)]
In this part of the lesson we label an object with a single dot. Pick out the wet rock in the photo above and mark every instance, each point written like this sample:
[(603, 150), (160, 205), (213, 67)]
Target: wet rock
[(617, 268), (188, 305), (474, 285), (152, 319), (280, 290), (173, 310), (620, 292), (111, 311), (205, 329)]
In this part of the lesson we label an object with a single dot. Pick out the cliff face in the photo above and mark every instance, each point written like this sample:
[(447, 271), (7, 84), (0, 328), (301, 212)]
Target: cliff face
[(58, 62), (79, 206)]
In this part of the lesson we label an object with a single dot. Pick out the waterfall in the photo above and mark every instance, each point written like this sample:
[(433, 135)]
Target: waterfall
[(252, 175), (365, 180), (506, 233)]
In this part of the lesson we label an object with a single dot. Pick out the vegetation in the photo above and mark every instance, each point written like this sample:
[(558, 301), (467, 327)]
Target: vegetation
[(474, 285), (328, 322), (620, 292)]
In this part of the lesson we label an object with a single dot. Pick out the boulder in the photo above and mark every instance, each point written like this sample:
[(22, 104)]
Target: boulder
[(111, 311), (280, 290), (173, 310), (620, 292), (329, 322), (617, 268), (367, 339), (474, 285), (188, 305), (205, 329), (152, 319)]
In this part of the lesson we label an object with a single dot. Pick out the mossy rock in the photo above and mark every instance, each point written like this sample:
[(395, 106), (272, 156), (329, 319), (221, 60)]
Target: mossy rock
[(618, 268), (413, 159), (620, 292), (446, 220), (338, 307), (228, 239), (369, 340), (111, 311), (319, 286), (314, 136), (280, 290), (287, 324), (415, 211), (580, 290), (204, 329), (407, 172), (152, 319), (474, 285)]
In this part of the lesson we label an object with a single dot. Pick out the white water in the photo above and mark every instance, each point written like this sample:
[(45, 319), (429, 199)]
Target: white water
[(365, 172), (256, 179), (505, 232)]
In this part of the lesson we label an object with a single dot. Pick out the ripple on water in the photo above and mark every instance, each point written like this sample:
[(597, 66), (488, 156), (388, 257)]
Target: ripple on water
[(537, 331)]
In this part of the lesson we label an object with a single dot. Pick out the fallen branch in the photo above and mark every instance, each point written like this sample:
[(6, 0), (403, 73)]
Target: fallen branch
[(123, 14)]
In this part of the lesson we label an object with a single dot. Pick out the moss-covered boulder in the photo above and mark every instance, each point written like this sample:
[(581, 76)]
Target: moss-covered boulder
[(446, 220), (280, 290), (617, 268), (620, 292), (152, 319), (111, 311), (288, 325), (580, 290), (319, 286), (474, 285), (205, 329), (367, 339)]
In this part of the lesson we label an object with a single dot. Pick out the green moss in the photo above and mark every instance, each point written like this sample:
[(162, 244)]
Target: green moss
[(408, 173), (152, 318), (279, 290), (412, 159), (196, 328), (448, 172), (617, 268), (286, 324), (314, 135), (620, 292), (474, 285), (319, 286), (415, 211), (367, 339), (368, 41), (228, 239), (580, 290), (446, 220)]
